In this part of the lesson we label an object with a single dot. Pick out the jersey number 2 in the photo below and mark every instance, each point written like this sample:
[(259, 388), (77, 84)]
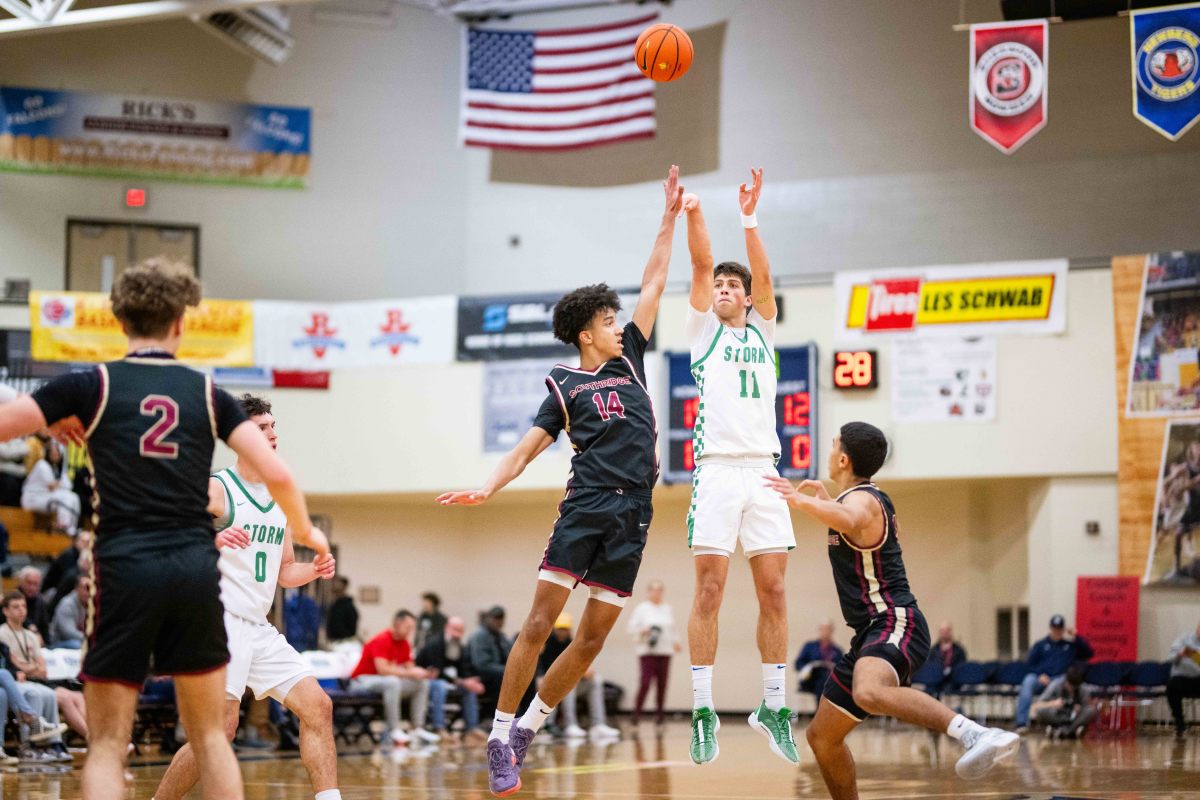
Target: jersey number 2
[(151, 445), (614, 406)]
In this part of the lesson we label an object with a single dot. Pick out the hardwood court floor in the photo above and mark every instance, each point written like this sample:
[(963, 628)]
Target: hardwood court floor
[(894, 763)]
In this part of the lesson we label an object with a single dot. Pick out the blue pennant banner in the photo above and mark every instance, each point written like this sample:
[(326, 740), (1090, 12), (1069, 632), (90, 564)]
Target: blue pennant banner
[(1166, 68)]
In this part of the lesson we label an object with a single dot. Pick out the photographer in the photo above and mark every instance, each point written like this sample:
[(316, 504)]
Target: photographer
[(653, 627)]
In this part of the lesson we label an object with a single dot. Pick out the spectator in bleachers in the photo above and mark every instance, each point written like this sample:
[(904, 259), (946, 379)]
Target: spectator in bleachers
[(64, 569), (1185, 676), (342, 620), (47, 490), (301, 620), (67, 629), (949, 652), (5, 568), (37, 611), (1049, 658), (387, 667), (653, 627), (32, 728), (590, 684), (432, 621), (12, 471), (817, 659), (1065, 705), (446, 653), (488, 650), (25, 661)]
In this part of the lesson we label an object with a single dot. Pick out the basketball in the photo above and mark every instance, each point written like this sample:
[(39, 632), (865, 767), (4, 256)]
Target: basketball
[(663, 52)]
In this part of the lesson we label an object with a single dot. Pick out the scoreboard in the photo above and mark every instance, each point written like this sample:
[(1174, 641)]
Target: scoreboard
[(795, 414)]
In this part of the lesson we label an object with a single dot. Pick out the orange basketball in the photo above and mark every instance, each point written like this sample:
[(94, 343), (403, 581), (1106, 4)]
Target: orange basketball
[(663, 52)]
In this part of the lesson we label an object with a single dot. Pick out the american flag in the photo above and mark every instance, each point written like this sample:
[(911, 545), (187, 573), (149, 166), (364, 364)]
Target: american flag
[(557, 89)]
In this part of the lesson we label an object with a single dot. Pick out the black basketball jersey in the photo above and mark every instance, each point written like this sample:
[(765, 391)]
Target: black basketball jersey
[(870, 581), (609, 418), (152, 424)]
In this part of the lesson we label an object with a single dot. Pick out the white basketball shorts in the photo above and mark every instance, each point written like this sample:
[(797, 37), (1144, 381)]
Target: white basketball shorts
[(260, 658), (731, 504)]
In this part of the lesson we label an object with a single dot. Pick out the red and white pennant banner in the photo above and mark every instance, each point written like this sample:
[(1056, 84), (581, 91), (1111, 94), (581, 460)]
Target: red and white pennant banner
[(1009, 76)]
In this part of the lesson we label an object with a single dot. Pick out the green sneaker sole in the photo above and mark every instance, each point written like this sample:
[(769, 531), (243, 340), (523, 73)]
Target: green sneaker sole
[(758, 726)]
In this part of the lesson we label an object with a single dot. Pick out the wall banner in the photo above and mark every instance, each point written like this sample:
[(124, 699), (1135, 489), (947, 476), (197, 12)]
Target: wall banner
[(513, 392), (119, 135), (944, 380), (1165, 45), (1164, 371), (1010, 67), (519, 326), (1173, 557), (80, 327), (320, 336), (1026, 297)]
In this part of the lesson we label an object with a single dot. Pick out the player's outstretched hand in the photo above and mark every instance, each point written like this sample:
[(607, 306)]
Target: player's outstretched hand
[(324, 566), (472, 498), (748, 198), (690, 203), (793, 494), (673, 192), (816, 487), (233, 539)]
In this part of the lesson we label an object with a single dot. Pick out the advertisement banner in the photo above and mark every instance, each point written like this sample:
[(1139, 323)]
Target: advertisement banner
[(1010, 64), (1165, 43), (80, 327), (1164, 376), (137, 136), (1026, 297), (1106, 614), (1174, 552), (944, 380), (519, 326), (513, 392), (319, 336)]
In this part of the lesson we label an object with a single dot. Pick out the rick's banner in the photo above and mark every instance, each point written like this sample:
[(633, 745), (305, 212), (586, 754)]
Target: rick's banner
[(1165, 64), (80, 327), (1009, 72), (118, 135)]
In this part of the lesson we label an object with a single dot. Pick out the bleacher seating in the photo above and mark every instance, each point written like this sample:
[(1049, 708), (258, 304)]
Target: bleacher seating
[(31, 534), (353, 710)]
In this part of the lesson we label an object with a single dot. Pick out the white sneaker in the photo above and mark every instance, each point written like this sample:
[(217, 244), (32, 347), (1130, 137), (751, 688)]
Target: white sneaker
[(399, 737), (428, 737), (574, 732), (984, 750), (604, 732), (41, 730)]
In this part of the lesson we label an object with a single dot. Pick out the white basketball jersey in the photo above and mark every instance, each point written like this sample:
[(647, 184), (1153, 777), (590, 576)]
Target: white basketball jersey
[(735, 373), (249, 576)]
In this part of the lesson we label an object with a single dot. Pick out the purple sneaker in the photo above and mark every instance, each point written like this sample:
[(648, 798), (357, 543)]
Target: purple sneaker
[(504, 777), (519, 740)]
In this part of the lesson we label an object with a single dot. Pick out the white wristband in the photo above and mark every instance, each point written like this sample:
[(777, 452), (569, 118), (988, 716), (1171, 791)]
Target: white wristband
[(750, 221)]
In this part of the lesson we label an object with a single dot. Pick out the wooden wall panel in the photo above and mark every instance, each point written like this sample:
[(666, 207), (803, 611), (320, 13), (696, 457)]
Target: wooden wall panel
[(1139, 440)]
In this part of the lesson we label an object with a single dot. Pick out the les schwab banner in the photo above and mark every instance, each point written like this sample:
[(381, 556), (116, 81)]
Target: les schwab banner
[(80, 327), (1026, 297)]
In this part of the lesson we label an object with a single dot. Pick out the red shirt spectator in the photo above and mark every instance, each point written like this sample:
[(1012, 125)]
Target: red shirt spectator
[(385, 646)]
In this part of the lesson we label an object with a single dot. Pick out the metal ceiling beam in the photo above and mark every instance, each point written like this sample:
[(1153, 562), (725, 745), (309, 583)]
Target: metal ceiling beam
[(122, 14), (53, 8), (20, 10)]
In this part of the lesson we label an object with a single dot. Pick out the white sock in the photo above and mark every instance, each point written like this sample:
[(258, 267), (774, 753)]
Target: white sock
[(961, 726), (501, 726), (702, 686), (774, 676), (535, 716), (328, 794)]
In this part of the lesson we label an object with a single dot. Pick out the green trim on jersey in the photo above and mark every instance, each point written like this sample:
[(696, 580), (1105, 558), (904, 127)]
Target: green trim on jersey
[(761, 338), (223, 522), (711, 347), (249, 496)]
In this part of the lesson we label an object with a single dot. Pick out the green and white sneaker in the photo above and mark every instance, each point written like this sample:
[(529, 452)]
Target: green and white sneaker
[(777, 727), (705, 724)]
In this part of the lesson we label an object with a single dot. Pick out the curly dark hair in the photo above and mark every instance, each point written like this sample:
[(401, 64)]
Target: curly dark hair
[(254, 405), (148, 298), (576, 310), (735, 269), (865, 446)]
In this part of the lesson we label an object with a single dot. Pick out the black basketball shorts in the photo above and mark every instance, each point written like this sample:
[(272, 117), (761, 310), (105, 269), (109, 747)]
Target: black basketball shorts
[(599, 537), (156, 605), (899, 636)]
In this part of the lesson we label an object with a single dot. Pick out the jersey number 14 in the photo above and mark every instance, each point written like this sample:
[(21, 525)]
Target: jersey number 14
[(613, 407)]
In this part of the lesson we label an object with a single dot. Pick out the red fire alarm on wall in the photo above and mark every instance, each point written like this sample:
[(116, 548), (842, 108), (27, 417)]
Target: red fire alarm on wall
[(135, 198)]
